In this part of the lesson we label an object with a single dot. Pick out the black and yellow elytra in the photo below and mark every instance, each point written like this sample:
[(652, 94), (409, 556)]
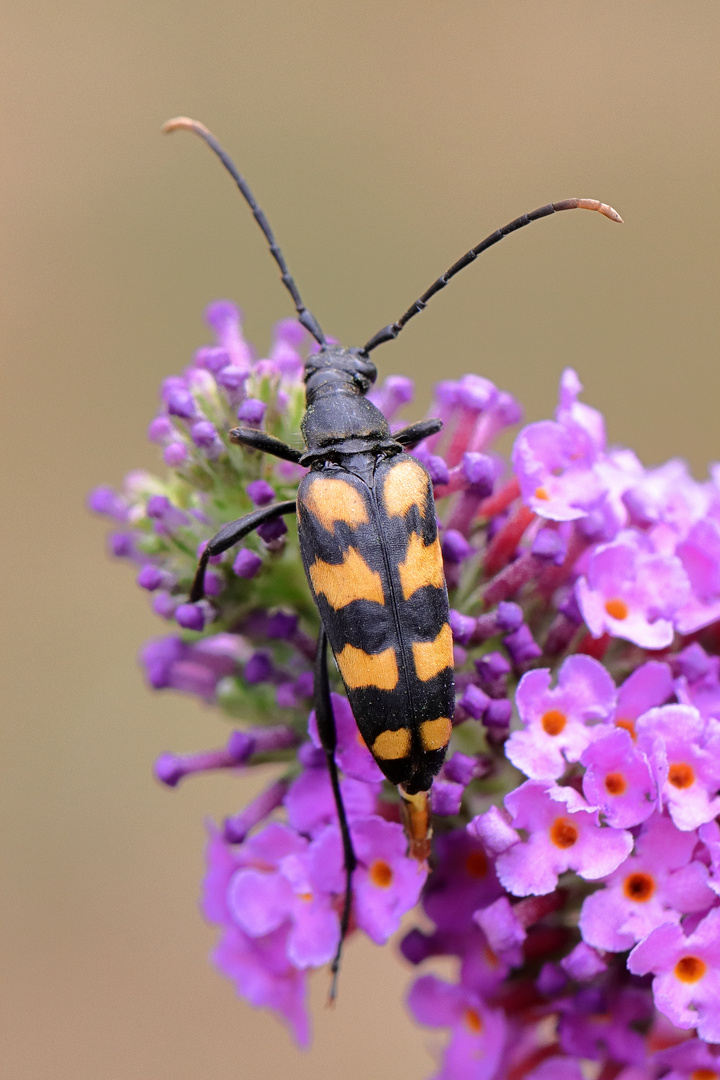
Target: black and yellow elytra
[(369, 542)]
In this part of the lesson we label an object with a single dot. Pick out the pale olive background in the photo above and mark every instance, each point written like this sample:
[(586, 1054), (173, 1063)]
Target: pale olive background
[(383, 140)]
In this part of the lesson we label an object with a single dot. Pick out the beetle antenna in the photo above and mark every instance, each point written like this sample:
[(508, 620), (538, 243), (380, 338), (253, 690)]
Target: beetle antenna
[(305, 317), (389, 333)]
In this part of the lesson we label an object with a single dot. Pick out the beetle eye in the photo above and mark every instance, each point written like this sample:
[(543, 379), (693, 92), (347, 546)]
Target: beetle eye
[(369, 372)]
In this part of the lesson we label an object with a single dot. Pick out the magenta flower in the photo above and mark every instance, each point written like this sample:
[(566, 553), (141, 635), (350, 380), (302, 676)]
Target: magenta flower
[(477, 1032), (632, 592), (618, 780), (601, 1024), (387, 883), (649, 685), (687, 973), (259, 966), (554, 463), (352, 754), (556, 731), (659, 883), (691, 1060), (687, 768), (564, 566), (563, 833)]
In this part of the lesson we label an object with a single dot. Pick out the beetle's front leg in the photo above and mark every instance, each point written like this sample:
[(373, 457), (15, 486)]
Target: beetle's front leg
[(411, 436), (267, 444), (231, 534)]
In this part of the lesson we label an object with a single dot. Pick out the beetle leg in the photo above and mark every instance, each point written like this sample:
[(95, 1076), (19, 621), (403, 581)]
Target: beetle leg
[(232, 534), (268, 444), (328, 737), (411, 436)]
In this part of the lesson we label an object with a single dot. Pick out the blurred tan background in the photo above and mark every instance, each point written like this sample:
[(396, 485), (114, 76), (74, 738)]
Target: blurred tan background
[(383, 139)]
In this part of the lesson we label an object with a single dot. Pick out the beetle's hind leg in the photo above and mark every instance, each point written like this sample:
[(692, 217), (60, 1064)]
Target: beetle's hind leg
[(328, 737), (231, 534)]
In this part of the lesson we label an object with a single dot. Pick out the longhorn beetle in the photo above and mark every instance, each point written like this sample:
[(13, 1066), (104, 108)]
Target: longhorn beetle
[(371, 552)]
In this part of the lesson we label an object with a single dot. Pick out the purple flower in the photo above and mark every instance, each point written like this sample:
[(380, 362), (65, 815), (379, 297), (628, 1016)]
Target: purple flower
[(658, 883), (522, 646), (352, 755), (247, 563), (175, 454), (195, 669), (204, 434), (150, 577), (310, 804), (260, 492), (178, 400), (455, 547), (599, 1024), (650, 684), (699, 554), (691, 1060), (386, 882), (687, 767), (225, 319), (281, 889), (632, 592), (190, 616), (556, 730), (251, 412), (563, 834), (583, 963), (555, 465), (687, 973), (618, 780), (396, 391), (477, 1032), (273, 530), (463, 880), (571, 531), (259, 966)]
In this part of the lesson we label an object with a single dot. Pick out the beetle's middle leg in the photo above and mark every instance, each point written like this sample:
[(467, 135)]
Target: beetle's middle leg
[(328, 737), (231, 534)]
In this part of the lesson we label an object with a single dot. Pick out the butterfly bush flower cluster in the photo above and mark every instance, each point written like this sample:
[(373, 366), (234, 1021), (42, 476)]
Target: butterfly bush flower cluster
[(575, 872)]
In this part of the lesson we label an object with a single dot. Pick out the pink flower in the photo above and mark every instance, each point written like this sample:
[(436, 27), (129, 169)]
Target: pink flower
[(687, 973), (564, 833)]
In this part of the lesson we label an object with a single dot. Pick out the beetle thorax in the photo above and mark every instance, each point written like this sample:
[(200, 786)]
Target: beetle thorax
[(339, 418)]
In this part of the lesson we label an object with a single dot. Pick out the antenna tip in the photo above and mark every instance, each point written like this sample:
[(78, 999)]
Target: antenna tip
[(183, 123), (602, 208)]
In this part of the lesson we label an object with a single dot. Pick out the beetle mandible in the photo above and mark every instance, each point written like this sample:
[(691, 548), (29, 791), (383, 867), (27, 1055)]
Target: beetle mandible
[(369, 543)]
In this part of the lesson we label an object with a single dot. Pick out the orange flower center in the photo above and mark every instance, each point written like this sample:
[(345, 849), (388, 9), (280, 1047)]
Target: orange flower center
[(681, 775), (381, 874), (617, 608), (490, 957), (542, 493), (703, 1074), (615, 783), (639, 887), (476, 864), (563, 833), (629, 726), (473, 1020), (690, 969), (553, 721)]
